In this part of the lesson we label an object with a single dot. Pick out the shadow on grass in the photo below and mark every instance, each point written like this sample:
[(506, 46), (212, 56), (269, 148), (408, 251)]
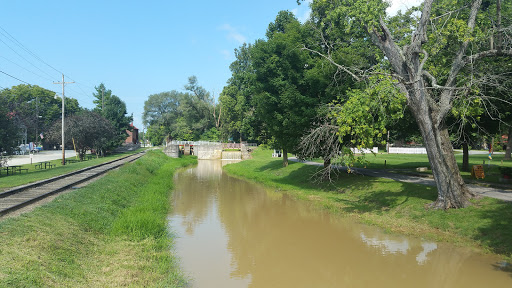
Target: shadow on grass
[(273, 165), (369, 193), (497, 234)]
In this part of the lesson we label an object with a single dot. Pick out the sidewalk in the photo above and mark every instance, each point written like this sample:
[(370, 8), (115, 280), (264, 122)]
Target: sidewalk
[(501, 194), (39, 157)]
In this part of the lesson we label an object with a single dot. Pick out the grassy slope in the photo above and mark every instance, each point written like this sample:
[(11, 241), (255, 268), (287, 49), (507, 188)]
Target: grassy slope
[(34, 174), (110, 233), (395, 206)]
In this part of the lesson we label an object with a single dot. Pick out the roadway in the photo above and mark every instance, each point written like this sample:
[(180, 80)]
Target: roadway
[(39, 157)]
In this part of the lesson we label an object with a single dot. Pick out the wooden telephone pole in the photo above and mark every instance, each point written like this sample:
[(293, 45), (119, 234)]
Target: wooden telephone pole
[(63, 150)]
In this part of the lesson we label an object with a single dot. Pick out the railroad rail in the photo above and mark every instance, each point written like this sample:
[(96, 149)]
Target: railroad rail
[(24, 195)]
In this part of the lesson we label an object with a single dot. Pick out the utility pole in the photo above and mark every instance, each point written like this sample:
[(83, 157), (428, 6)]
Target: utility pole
[(63, 150)]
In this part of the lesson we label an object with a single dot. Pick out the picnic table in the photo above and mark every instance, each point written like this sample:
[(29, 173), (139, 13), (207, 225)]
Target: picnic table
[(12, 169), (71, 161), (44, 164)]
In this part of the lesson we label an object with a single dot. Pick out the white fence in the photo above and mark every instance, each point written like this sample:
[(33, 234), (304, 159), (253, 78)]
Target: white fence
[(403, 150), (365, 150)]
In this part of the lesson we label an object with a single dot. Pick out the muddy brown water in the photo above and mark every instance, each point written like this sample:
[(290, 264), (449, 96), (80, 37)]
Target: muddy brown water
[(233, 233)]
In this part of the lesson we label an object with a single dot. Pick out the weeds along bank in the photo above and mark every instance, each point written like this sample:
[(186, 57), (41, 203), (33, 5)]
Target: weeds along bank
[(395, 206), (110, 233)]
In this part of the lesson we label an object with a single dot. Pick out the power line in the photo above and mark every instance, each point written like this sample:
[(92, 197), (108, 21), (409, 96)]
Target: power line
[(14, 77), (23, 81), (26, 69), (11, 38), (28, 50), (24, 58)]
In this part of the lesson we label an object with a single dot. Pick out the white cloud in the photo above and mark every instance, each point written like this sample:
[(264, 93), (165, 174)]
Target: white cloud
[(233, 34), (303, 11), (228, 55), (401, 5)]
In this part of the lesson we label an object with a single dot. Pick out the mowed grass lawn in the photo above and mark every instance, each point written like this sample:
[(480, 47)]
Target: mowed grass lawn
[(394, 206), (110, 233), (404, 163)]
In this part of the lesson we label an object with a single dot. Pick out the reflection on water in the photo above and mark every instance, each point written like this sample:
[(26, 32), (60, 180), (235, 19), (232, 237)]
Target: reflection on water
[(393, 246), (232, 233)]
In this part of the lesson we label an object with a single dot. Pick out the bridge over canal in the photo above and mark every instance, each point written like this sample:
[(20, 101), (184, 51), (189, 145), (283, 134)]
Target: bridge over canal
[(206, 150)]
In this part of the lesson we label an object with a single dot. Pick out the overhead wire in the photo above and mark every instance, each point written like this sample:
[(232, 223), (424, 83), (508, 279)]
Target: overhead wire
[(28, 50), (8, 36), (26, 69), (14, 77), (25, 82), (24, 57)]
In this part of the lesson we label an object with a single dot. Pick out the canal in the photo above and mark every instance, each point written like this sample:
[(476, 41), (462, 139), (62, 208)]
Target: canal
[(232, 233)]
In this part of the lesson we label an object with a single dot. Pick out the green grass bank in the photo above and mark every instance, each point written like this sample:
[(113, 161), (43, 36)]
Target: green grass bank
[(394, 206), (110, 233)]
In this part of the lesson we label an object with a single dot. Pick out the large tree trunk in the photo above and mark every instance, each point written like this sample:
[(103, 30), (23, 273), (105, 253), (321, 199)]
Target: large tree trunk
[(509, 145), (452, 192), (465, 156)]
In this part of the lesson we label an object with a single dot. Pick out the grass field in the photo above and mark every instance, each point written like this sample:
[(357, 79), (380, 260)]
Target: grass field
[(110, 233), (394, 206), (33, 174), (406, 163)]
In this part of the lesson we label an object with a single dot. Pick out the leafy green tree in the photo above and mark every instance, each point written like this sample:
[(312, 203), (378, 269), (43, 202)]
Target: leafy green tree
[(182, 116), (9, 131), (36, 108), (114, 109), (281, 98), (431, 63), (102, 94), (85, 130), (156, 134), (236, 98)]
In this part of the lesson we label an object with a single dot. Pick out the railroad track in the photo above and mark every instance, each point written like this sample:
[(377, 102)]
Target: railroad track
[(18, 197)]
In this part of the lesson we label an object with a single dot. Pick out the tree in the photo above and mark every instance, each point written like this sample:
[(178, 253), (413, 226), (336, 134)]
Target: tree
[(200, 109), (281, 98), (9, 131), (182, 116), (85, 130), (102, 94), (113, 109), (36, 108), (236, 98), (438, 39), (115, 112)]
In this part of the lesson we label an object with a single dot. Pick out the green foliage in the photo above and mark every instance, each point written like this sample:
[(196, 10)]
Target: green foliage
[(156, 134), (113, 109), (236, 99), (85, 130), (27, 102), (364, 117), (178, 115), (9, 130), (211, 135), (281, 100)]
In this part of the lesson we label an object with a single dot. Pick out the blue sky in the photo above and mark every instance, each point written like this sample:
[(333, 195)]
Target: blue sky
[(137, 48)]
